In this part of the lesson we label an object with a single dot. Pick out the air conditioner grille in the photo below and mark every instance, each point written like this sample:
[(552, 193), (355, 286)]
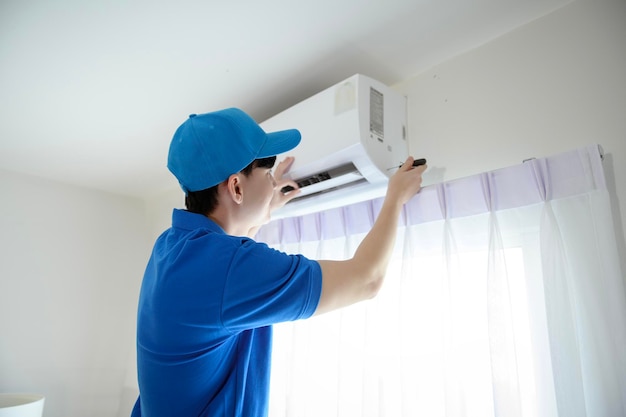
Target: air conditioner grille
[(328, 179)]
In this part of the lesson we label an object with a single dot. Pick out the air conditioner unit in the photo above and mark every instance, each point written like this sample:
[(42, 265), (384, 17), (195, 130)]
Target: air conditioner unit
[(354, 137)]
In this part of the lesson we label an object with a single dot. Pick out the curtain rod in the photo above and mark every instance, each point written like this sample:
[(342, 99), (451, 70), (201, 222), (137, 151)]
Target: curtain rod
[(600, 151)]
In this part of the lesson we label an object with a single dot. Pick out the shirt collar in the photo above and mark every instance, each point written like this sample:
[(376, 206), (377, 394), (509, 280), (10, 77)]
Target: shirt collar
[(183, 219)]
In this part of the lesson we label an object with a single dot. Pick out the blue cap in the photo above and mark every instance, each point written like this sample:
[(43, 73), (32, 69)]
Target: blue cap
[(207, 148)]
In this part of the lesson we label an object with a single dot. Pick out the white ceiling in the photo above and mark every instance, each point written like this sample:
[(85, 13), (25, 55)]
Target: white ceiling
[(92, 91)]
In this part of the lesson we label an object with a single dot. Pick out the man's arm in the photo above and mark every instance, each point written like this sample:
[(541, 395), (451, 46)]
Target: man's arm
[(360, 278)]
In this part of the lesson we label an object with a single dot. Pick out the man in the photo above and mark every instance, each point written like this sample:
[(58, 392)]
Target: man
[(210, 293)]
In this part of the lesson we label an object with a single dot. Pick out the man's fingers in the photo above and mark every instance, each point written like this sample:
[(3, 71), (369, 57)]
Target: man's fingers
[(287, 185), (283, 167)]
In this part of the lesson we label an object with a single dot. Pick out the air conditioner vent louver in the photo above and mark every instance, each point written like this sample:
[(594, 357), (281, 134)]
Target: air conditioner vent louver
[(311, 196)]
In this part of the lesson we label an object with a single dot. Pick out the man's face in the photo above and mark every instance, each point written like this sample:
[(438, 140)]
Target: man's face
[(258, 190)]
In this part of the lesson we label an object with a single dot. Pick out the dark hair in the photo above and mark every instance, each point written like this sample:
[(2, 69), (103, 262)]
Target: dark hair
[(205, 201)]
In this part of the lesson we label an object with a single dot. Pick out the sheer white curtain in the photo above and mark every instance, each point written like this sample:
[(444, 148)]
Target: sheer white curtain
[(504, 298)]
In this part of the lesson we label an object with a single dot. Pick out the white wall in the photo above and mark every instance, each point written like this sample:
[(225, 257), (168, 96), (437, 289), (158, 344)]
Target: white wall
[(72, 262), (556, 84)]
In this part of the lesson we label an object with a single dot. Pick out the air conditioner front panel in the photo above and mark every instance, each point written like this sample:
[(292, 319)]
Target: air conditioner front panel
[(326, 124)]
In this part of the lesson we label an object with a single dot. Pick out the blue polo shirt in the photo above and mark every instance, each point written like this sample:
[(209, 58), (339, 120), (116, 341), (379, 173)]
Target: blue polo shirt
[(206, 307)]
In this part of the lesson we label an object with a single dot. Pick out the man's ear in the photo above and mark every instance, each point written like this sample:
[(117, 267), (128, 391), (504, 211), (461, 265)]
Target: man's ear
[(235, 191)]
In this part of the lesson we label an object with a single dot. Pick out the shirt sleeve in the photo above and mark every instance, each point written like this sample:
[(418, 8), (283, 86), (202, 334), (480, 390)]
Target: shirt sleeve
[(266, 286)]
